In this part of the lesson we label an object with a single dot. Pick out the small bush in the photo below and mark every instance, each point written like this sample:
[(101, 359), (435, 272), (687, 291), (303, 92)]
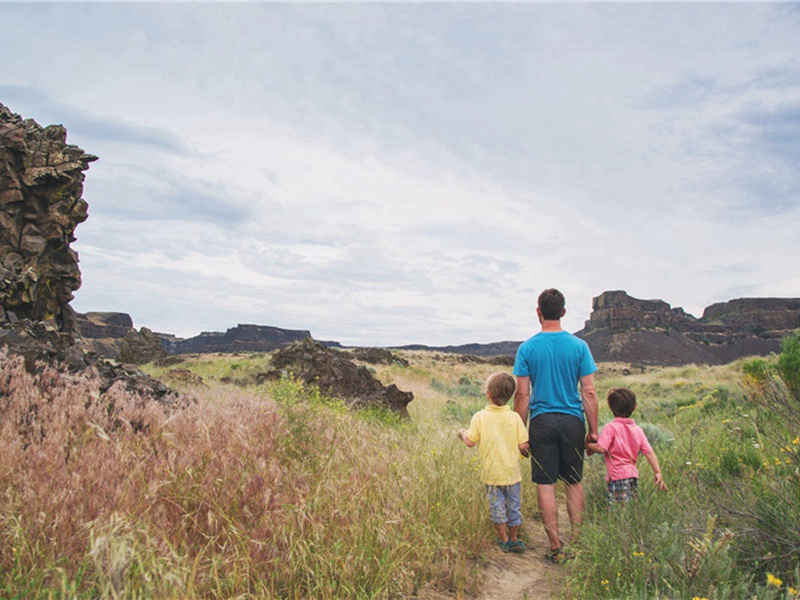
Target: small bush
[(789, 363)]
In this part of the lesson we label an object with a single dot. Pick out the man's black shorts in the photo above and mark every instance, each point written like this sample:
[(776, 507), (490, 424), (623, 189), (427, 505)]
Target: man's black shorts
[(557, 444)]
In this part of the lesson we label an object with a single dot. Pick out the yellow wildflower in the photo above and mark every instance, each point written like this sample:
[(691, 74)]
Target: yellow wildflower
[(772, 580), (604, 582), (792, 591), (638, 553)]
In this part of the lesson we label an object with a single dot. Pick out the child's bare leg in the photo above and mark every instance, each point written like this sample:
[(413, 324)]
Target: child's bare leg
[(502, 532), (512, 533)]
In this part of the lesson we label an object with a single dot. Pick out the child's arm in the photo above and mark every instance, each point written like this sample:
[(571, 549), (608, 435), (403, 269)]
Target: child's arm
[(653, 460), (593, 448), (462, 433)]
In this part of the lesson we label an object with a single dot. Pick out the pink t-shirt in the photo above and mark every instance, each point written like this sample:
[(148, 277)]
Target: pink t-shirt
[(622, 440)]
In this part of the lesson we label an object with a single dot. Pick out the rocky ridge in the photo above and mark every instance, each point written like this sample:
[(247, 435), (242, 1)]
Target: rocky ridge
[(627, 329)]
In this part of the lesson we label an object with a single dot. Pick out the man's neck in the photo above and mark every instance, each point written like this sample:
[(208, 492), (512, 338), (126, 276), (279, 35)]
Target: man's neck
[(550, 326)]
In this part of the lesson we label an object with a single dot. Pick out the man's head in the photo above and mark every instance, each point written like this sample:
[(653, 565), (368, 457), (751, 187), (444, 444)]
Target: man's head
[(551, 305), (500, 387), (622, 402)]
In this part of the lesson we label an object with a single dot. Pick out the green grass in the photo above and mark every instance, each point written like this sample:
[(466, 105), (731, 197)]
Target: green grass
[(275, 491)]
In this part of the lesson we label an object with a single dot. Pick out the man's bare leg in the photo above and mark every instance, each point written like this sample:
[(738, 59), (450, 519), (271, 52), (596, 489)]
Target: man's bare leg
[(546, 495), (576, 503)]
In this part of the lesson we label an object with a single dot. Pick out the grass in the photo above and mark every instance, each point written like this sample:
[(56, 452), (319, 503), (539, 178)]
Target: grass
[(275, 491)]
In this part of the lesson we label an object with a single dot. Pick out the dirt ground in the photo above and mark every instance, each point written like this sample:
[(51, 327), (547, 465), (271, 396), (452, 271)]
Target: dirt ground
[(523, 576), (527, 576)]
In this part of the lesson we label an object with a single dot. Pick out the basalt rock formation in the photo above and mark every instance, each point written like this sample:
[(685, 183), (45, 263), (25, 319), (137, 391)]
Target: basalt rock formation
[(41, 183), (242, 338), (337, 376), (627, 329)]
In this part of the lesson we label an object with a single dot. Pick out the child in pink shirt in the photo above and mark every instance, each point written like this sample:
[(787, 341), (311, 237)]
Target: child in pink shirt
[(621, 441)]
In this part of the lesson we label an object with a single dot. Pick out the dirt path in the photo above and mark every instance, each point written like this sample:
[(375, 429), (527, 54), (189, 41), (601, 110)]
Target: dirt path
[(523, 576)]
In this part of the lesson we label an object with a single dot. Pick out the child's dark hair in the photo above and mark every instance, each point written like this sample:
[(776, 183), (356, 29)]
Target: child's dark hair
[(622, 402), (501, 386)]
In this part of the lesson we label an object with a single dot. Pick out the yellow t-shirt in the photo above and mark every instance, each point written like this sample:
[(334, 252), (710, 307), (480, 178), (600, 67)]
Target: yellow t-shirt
[(499, 431)]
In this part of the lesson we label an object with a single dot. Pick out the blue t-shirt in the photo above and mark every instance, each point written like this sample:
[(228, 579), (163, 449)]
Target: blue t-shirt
[(555, 361)]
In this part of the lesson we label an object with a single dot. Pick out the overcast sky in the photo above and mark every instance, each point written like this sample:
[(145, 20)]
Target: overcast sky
[(386, 174)]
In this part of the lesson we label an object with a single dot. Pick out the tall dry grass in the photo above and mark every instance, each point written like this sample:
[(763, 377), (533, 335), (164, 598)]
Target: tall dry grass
[(272, 493)]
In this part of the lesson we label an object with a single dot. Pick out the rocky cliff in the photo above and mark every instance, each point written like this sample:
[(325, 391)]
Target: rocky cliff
[(108, 331), (623, 328), (41, 183), (242, 338)]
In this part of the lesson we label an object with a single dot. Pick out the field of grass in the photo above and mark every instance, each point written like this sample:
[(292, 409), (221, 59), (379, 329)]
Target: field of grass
[(274, 491)]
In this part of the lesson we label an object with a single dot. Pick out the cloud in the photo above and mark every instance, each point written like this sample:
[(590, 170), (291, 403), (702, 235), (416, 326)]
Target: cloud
[(399, 173)]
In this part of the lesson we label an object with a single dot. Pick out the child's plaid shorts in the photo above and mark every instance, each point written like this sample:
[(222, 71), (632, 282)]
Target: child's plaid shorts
[(622, 490)]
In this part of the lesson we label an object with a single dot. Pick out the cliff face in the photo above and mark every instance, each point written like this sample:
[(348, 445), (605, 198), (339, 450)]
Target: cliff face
[(107, 333), (623, 328), (242, 338), (41, 183)]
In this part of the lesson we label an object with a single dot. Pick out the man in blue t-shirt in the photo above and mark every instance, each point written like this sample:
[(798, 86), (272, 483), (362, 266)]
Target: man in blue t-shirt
[(549, 368)]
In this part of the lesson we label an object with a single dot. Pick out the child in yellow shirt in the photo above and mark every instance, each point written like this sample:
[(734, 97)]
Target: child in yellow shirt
[(502, 437)]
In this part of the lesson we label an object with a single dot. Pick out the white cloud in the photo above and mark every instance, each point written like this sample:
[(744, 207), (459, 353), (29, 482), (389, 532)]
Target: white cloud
[(400, 173)]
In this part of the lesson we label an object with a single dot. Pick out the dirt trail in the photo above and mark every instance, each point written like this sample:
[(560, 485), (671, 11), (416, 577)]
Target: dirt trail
[(523, 576)]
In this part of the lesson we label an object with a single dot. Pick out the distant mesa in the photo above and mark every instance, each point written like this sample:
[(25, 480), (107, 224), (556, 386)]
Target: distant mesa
[(621, 328), (626, 329), (106, 332)]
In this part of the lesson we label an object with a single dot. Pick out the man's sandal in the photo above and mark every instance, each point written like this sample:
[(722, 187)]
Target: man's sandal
[(557, 556)]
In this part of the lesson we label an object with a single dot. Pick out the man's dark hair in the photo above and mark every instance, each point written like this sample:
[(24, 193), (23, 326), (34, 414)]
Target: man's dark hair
[(622, 402), (551, 303)]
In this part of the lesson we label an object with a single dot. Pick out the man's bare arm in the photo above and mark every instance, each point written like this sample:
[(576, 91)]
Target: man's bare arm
[(522, 397), (590, 405)]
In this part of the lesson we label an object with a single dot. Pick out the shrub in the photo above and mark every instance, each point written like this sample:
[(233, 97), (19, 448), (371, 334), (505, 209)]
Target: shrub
[(789, 363)]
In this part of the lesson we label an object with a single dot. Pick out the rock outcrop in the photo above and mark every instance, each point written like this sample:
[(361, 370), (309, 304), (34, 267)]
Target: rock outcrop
[(141, 347), (337, 376), (41, 184), (242, 338), (627, 329)]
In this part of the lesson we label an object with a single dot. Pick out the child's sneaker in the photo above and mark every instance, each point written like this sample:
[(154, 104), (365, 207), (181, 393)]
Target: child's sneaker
[(504, 546), (516, 546)]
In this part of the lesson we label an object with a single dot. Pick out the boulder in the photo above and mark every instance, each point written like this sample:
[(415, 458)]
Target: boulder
[(336, 376), (378, 356), (141, 347)]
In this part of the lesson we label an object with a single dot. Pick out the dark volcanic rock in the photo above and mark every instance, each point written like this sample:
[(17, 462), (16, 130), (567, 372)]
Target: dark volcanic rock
[(138, 348), (485, 350), (242, 338), (337, 376), (622, 328), (377, 356), (41, 183)]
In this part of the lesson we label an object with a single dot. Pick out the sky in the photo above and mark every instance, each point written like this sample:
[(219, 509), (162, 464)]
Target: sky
[(383, 174)]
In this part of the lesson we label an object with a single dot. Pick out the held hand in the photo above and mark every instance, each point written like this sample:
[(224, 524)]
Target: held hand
[(525, 450), (460, 434)]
